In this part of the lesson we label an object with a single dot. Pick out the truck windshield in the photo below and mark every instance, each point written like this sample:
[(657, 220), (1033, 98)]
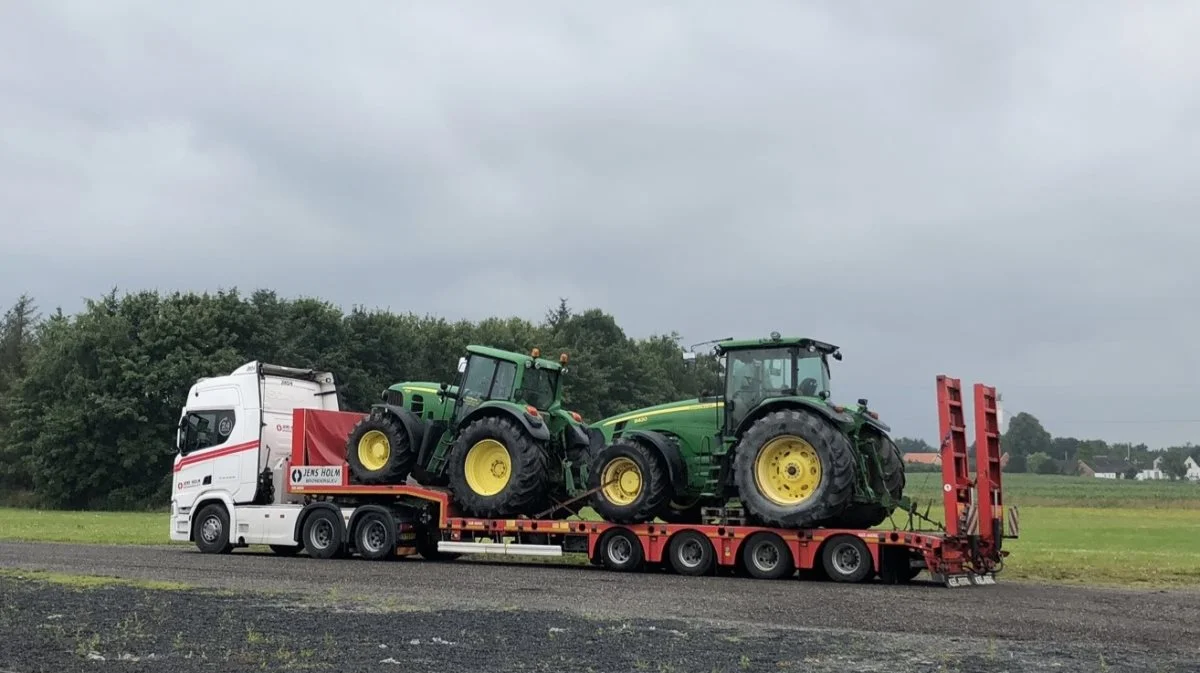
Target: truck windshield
[(538, 386)]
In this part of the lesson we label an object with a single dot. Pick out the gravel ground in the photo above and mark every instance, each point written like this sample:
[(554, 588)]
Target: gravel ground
[(252, 611)]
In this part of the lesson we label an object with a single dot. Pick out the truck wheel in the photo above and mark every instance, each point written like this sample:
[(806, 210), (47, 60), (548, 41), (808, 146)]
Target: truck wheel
[(324, 534), (767, 557), (379, 451), (496, 469), (793, 469), (619, 549), (691, 553), (375, 536), (632, 481), (212, 530), (845, 558), (891, 481)]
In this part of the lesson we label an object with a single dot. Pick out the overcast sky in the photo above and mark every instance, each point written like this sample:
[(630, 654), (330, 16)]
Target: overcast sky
[(1004, 192)]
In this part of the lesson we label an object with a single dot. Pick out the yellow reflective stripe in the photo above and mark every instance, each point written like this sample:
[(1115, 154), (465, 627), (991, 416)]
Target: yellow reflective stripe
[(659, 412), (420, 389)]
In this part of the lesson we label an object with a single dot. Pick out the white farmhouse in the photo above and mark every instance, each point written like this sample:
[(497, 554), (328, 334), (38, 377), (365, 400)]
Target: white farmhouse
[(1193, 469), (1154, 472)]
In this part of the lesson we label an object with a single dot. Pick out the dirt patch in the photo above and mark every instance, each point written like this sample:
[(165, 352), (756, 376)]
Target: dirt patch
[(57, 627)]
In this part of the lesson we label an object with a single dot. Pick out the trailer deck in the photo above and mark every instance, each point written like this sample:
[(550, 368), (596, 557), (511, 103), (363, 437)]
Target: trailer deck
[(965, 550)]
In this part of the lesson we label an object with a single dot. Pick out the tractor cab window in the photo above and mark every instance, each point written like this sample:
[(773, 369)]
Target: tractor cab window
[(538, 387), (485, 379), (812, 374)]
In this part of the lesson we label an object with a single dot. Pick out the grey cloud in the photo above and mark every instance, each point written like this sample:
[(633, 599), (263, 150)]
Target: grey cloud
[(1003, 194)]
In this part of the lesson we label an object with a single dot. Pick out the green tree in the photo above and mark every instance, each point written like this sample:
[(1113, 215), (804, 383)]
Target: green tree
[(911, 445)]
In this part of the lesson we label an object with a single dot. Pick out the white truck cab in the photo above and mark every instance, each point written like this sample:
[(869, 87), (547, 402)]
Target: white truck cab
[(232, 447)]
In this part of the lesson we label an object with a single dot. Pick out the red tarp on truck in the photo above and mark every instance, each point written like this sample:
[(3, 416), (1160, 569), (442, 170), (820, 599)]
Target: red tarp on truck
[(320, 438)]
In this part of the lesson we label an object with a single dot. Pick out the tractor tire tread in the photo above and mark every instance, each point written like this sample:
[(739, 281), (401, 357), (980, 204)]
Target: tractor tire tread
[(400, 461), (527, 485), (655, 480)]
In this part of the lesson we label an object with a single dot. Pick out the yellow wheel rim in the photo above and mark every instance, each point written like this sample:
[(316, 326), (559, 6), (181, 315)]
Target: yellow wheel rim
[(374, 449), (787, 470), (487, 467), (622, 481)]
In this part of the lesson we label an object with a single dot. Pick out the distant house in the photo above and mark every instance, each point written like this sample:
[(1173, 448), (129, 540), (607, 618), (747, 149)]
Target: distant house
[(1193, 469), (1103, 467), (1154, 472)]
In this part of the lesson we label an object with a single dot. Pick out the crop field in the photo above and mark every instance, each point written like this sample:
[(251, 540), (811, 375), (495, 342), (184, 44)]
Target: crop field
[(1073, 529)]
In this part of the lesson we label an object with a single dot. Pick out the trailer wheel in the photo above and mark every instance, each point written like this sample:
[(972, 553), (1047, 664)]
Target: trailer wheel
[(497, 469), (375, 536), (793, 469), (632, 481), (619, 549), (212, 530), (767, 557), (324, 534), (379, 451), (691, 553), (846, 558)]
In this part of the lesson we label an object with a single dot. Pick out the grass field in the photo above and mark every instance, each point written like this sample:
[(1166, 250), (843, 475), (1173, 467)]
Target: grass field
[(1073, 529)]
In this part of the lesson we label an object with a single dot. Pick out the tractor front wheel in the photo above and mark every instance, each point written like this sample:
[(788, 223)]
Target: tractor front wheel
[(633, 482), (379, 451), (793, 469), (497, 469)]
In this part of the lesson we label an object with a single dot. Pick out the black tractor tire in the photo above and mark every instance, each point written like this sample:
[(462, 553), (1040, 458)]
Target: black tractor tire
[(861, 516), (521, 465), (682, 512), (826, 500), (647, 494), (386, 448)]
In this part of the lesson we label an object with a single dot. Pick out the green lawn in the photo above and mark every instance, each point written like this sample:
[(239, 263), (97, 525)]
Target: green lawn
[(1073, 529)]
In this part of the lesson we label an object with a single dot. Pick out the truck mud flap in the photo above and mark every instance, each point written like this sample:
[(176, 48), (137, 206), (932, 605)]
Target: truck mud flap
[(956, 580)]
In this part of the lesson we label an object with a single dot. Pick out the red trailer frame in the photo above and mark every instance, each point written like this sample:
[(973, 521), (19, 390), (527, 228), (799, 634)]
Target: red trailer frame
[(963, 553)]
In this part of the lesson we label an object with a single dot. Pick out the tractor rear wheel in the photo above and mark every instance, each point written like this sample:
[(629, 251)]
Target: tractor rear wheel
[(890, 481), (793, 469), (633, 482), (379, 451), (497, 469)]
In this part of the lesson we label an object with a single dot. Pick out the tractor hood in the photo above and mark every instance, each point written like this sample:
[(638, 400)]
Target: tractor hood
[(670, 411), (427, 387)]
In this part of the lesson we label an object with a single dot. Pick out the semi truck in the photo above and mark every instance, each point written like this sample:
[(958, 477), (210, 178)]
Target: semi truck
[(261, 460)]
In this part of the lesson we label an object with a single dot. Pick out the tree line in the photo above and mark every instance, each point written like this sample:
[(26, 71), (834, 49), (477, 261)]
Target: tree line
[(1031, 448), (89, 401)]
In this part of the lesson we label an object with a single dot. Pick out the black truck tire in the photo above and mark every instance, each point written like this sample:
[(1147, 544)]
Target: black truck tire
[(497, 470), (379, 451), (633, 482), (892, 480), (793, 469)]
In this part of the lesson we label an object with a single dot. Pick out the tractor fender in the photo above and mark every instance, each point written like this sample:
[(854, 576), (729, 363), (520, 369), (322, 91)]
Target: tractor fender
[(832, 416), (577, 437), (534, 425), (413, 425), (307, 511), (879, 425), (668, 450)]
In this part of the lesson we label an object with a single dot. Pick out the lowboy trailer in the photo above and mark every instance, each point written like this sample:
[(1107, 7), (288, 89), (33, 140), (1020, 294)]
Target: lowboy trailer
[(305, 501)]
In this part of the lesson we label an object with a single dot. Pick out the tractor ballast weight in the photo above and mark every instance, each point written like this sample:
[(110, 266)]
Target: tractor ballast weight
[(771, 440), (499, 438)]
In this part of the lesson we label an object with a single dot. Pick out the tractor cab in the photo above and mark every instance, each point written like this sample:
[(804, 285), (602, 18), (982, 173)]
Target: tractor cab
[(490, 374), (757, 370)]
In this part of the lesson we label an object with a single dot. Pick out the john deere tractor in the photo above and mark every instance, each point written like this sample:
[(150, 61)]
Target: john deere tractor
[(499, 439), (771, 439)]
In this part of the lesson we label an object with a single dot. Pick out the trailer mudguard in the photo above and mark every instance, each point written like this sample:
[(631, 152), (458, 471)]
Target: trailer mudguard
[(534, 425), (412, 423), (669, 452)]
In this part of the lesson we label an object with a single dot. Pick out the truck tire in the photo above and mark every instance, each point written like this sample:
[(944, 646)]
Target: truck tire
[(845, 558), (212, 530), (691, 553), (375, 536), (497, 470), (379, 451), (324, 534), (767, 557), (633, 482), (793, 469), (861, 516)]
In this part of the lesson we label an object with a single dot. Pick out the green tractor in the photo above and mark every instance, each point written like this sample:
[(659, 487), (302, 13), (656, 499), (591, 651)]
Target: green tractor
[(771, 440), (500, 438)]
